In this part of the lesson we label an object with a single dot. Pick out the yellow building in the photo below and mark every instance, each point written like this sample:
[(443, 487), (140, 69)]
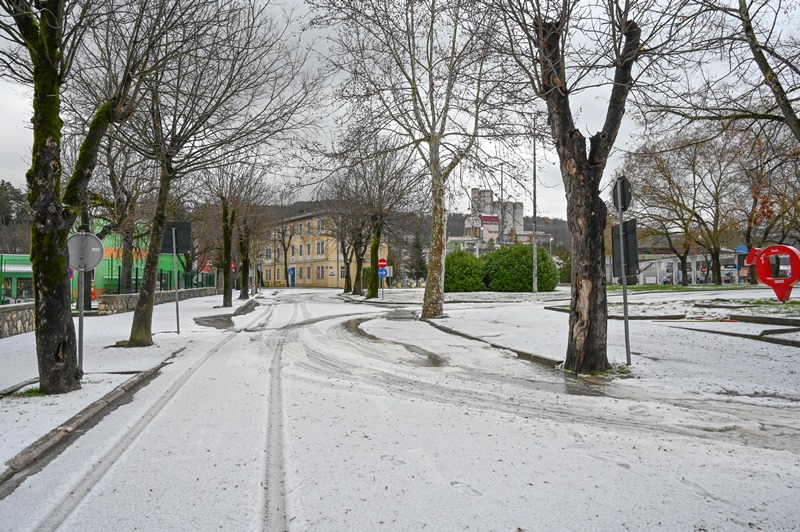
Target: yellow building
[(315, 259)]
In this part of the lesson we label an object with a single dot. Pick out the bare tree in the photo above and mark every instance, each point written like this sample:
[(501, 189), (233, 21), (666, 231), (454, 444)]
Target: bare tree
[(380, 183), (243, 83), (766, 197), (238, 187), (744, 67), (563, 48), (665, 197), (44, 39), (424, 68)]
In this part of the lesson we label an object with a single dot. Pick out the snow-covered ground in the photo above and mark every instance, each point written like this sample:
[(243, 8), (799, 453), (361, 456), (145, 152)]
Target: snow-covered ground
[(386, 422)]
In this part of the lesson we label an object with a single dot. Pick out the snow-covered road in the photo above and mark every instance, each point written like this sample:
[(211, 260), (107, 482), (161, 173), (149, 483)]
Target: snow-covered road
[(318, 415)]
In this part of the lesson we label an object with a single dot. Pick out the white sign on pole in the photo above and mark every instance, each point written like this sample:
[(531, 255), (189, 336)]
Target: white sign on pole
[(85, 253)]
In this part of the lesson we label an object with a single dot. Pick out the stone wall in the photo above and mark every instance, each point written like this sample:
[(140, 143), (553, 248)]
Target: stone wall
[(114, 303), (16, 319)]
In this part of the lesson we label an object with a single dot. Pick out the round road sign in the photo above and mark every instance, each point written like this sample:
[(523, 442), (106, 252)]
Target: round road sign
[(382, 263), (383, 272), (85, 251)]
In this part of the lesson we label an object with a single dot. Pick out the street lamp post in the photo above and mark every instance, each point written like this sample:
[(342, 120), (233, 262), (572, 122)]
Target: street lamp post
[(551, 246)]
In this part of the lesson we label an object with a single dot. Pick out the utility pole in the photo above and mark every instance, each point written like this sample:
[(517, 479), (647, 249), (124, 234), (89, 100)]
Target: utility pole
[(533, 240)]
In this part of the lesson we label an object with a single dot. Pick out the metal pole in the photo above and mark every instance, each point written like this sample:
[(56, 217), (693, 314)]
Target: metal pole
[(80, 320), (175, 268), (81, 273), (533, 240), (623, 271)]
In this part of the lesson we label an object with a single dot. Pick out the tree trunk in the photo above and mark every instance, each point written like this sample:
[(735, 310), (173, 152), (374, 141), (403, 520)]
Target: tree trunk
[(347, 259), (141, 328), (433, 299), (357, 282), (586, 215), (56, 344), (374, 250), (716, 267), (582, 173), (244, 255), (228, 219), (770, 78), (126, 267), (286, 266), (684, 272)]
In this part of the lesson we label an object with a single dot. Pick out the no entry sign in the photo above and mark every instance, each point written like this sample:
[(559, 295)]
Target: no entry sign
[(382, 263)]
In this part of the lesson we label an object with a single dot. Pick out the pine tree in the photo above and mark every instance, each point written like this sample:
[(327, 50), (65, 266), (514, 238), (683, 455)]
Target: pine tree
[(417, 264)]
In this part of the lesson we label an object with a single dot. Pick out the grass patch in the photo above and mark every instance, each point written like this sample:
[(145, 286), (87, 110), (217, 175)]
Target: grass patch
[(616, 370), (30, 392)]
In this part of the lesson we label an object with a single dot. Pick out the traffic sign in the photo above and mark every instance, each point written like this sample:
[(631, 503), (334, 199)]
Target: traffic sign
[(382, 263), (383, 272), (622, 193), (85, 251)]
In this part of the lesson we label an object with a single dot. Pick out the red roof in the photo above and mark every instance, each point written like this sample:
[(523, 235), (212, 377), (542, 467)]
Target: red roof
[(489, 218)]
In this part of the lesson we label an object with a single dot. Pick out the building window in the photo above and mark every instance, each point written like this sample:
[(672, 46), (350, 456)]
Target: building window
[(308, 249), (299, 273), (300, 230), (308, 227), (268, 254), (343, 272), (320, 225), (320, 272), (268, 275), (278, 275), (320, 247), (277, 254), (301, 250), (308, 270), (292, 251)]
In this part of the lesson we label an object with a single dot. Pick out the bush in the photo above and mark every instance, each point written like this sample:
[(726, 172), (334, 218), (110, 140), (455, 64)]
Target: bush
[(510, 269), (463, 272)]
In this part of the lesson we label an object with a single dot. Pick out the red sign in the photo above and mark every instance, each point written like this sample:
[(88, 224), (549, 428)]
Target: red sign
[(382, 263), (781, 285)]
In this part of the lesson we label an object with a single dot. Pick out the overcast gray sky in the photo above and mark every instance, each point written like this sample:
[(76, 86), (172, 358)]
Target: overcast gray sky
[(16, 138)]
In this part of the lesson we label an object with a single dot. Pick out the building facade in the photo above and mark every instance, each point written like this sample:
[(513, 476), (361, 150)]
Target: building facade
[(309, 243)]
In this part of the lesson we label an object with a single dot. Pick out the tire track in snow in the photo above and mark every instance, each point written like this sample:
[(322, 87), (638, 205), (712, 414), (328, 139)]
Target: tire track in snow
[(342, 359), (274, 506), (84, 485)]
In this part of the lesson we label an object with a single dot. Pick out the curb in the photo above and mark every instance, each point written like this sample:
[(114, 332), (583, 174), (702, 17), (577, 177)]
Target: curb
[(539, 359), (766, 320), (95, 410), (630, 318)]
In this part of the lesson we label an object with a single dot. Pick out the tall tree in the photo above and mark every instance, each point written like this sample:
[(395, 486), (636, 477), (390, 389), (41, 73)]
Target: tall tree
[(44, 39), (564, 47), (243, 83), (381, 182), (424, 68), (665, 197), (239, 187)]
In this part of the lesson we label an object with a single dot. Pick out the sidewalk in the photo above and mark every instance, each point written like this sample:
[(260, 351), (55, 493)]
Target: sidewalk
[(32, 425)]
